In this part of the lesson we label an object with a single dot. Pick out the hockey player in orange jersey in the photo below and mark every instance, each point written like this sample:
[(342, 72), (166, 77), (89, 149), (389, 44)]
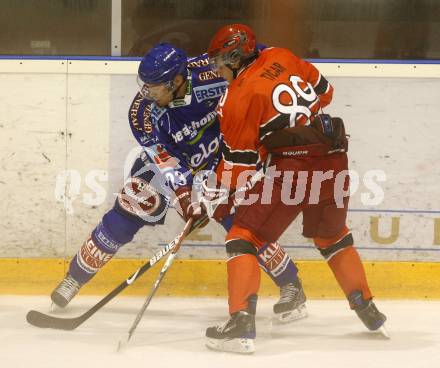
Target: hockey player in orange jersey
[(270, 113)]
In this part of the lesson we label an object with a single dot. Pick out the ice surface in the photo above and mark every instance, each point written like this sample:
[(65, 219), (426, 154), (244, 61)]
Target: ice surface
[(171, 335)]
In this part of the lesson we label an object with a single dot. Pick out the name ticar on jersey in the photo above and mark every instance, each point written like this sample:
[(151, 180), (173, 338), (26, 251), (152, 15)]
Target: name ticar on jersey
[(273, 71), (210, 91)]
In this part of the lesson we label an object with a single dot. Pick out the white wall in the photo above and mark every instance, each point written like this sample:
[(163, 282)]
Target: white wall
[(69, 117)]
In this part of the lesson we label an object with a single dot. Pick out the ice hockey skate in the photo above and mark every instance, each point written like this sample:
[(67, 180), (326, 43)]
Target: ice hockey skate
[(368, 313), (291, 305), (236, 335), (65, 291)]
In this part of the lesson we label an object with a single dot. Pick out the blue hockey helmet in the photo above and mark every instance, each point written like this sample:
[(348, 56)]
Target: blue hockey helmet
[(162, 64)]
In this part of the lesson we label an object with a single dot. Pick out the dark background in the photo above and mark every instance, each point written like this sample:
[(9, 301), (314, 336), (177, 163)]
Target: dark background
[(367, 29)]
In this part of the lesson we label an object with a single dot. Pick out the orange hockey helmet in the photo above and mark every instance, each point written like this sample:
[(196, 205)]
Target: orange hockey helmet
[(231, 44)]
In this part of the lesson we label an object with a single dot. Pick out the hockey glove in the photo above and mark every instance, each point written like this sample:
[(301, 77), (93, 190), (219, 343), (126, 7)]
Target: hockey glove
[(186, 207), (332, 128), (216, 201)]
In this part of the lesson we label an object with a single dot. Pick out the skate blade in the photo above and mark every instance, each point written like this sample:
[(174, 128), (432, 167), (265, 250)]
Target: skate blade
[(55, 309), (383, 332), (291, 316), (240, 346)]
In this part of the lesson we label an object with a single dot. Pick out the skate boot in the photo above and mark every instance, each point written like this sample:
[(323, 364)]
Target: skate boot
[(236, 335), (65, 291), (291, 305), (368, 313)]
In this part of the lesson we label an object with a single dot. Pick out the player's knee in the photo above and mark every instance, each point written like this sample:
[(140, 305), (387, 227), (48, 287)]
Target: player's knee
[(330, 250), (116, 229), (274, 258), (237, 247)]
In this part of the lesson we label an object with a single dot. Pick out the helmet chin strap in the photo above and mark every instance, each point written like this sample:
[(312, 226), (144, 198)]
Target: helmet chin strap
[(234, 71), (242, 65)]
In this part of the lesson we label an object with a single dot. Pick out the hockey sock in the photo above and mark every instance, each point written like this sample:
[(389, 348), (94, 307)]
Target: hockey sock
[(91, 257), (273, 259), (112, 232), (349, 272), (277, 264), (243, 281)]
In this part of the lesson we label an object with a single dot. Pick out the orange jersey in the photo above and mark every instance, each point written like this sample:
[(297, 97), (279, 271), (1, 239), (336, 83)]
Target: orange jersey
[(278, 90)]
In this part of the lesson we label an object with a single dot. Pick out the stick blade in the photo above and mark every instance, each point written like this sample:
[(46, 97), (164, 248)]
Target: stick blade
[(122, 343), (42, 320)]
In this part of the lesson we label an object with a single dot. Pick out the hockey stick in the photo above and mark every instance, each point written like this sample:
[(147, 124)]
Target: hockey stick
[(42, 320), (156, 284), (250, 183)]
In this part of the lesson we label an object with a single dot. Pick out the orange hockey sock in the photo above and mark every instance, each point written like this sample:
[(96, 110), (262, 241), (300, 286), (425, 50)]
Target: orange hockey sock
[(349, 272), (243, 281)]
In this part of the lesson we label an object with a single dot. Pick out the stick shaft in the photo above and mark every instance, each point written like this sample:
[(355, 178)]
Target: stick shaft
[(159, 279)]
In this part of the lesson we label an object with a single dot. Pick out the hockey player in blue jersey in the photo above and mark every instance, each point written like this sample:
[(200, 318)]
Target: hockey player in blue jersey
[(173, 118)]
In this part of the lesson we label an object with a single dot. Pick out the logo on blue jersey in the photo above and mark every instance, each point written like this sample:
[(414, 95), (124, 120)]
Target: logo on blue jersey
[(195, 129), (210, 91)]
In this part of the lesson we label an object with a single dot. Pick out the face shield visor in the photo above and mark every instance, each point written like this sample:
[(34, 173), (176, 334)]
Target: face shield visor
[(227, 59), (154, 92)]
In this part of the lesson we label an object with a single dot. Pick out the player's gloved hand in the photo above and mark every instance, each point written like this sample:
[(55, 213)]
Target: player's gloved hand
[(187, 207), (333, 129), (216, 200)]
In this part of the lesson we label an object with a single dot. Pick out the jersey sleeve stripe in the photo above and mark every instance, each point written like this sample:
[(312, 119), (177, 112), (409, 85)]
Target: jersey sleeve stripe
[(318, 81), (239, 164), (281, 121), (243, 157), (322, 87), (269, 121)]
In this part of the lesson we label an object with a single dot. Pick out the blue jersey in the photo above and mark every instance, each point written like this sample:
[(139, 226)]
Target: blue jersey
[(182, 138)]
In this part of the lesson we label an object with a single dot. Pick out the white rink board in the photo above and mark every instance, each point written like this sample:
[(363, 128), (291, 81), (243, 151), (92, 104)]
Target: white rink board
[(51, 122)]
